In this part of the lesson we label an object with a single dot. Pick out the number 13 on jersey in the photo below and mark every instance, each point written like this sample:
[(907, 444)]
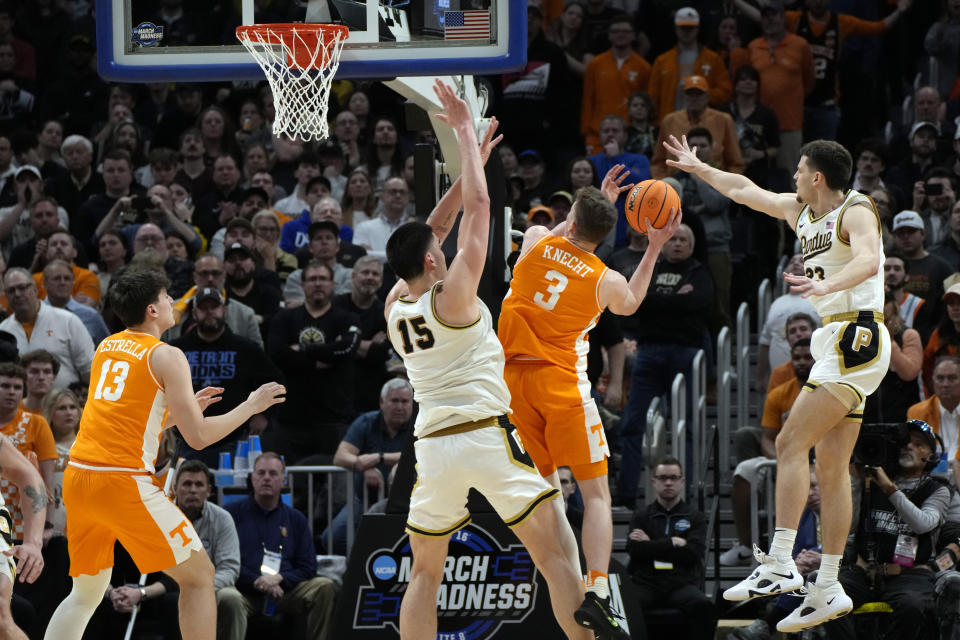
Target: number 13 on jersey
[(556, 283), (111, 391)]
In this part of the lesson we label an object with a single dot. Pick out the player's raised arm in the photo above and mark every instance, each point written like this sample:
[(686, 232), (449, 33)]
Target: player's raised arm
[(733, 185), (33, 507), (445, 213), (171, 368), (622, 296), (460, 285)]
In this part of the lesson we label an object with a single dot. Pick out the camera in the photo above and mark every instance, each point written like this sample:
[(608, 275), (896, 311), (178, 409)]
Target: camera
[(879, 445), (933, 188)]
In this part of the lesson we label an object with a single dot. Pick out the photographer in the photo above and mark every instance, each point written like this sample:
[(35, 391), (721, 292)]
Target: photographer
[(895, 538)]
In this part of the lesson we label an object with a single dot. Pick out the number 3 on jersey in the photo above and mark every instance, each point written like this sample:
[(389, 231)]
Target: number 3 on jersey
[(112, 391), (557, 283)]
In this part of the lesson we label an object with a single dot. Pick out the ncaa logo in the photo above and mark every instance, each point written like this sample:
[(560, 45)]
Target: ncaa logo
[(384, 568), (682, 525)]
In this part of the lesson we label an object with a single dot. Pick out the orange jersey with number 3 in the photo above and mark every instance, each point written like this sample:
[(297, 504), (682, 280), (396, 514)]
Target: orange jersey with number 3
[(126, 407), (554, 300)]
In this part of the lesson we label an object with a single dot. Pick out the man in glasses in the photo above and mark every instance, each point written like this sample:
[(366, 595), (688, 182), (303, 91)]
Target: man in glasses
[(666, 546)]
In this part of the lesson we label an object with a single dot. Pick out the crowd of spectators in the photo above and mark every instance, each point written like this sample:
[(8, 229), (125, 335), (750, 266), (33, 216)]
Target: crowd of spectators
[(275, 247)]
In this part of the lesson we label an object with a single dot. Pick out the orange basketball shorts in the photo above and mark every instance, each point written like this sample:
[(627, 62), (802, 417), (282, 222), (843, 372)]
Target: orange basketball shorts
[(557, 418), (103, 507)]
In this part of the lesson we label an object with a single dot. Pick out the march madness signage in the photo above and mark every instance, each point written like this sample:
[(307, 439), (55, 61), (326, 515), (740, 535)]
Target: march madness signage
[(490, 588), (485, 585)]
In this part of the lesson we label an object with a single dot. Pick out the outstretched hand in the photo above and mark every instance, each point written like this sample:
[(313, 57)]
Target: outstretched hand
[(266, 396), (612, 185), (686, 155), (659, 237), (456, 113), (805, 286), (489, 142), (208, 396)]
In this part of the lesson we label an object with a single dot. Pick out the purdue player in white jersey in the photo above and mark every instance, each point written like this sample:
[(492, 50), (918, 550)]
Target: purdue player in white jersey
[(445, 335), (839, 232)]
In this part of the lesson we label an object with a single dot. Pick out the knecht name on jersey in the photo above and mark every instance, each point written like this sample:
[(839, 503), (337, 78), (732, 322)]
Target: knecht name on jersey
[(485, 586), (568, 260)]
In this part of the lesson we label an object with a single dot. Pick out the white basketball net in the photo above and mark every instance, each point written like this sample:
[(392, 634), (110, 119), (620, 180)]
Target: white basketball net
[(299, 65)]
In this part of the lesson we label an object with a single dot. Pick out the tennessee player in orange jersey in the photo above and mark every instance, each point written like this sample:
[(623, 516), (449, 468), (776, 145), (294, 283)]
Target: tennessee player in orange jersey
[(559, 289), (139, 387)]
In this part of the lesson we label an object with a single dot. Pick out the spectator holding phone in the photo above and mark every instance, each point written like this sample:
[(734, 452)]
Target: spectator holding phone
[(934, 197), (15, 227), (157, 207)]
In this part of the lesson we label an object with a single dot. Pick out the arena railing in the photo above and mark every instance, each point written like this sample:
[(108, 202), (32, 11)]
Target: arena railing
[(724, 394), (698, 418), (330, 471), (763, 478), (711, 452), (743, 363), (764, 300), (654, 443), (678, 421)]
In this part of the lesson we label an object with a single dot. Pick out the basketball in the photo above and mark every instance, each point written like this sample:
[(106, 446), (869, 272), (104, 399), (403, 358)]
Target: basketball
[(649, 203)]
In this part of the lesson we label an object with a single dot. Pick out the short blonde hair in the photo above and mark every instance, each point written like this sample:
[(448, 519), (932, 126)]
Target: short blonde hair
[(50, 402)]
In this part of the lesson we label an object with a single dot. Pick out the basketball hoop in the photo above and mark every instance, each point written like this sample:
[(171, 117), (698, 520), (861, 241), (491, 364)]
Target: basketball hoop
[(299, 61)]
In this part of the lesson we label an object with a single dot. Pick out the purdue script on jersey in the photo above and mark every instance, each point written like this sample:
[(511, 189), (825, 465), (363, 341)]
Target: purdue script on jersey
[(129, 347), (816, 245), (568, 260)]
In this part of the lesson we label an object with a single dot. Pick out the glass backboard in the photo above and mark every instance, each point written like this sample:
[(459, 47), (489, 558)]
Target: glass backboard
[(194, 40)]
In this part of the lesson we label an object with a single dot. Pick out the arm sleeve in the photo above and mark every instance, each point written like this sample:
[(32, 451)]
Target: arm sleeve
[(226, 555), (344, 346), (926, 518)]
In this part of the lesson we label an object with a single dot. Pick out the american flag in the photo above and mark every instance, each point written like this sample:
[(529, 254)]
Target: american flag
[(466, 25), (829, 224)]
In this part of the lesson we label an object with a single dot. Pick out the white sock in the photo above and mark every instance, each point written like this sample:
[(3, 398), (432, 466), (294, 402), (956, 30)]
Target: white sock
[(829, 567), (600, 587), (782, 546)]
